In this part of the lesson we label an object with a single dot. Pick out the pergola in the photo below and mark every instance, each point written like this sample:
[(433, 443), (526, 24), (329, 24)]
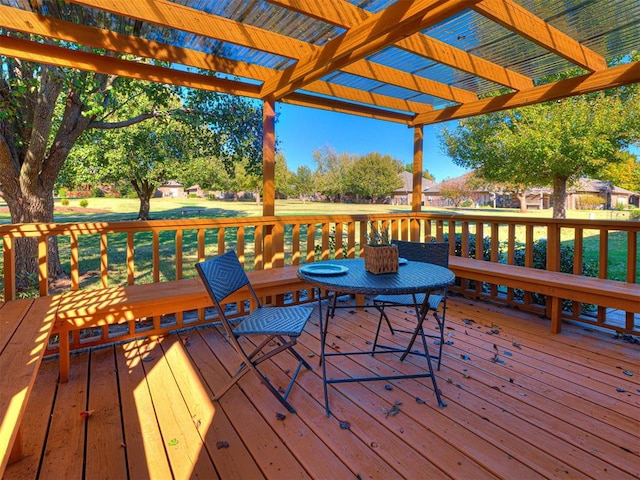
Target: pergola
[(415, 62)]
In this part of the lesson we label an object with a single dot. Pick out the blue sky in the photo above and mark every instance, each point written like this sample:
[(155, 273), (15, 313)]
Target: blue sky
[(301, 130)]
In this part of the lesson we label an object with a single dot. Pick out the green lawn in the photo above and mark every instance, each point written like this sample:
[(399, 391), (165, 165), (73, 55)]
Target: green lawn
[(114, 209)]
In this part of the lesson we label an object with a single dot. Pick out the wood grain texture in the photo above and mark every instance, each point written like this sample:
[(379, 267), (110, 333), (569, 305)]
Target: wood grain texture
[(521, 403)]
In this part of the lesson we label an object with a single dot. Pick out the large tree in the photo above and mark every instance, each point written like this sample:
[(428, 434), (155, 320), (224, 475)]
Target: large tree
[(374, 176), (304, 182), (552, 144), (45, 109), (331, 169)]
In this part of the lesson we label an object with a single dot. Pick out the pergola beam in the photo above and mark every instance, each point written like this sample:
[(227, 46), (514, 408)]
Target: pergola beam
[(172, 15), (347, 15), (333, 105), (27, 22), (54, 55), (390, 25), (521, 21), (593, 82), (34, 23)]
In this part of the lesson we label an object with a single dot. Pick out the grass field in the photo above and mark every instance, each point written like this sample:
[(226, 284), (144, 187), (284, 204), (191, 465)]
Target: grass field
[(115, 209)]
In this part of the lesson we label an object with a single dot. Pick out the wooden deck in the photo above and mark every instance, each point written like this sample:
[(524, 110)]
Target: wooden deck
[(522, 404)]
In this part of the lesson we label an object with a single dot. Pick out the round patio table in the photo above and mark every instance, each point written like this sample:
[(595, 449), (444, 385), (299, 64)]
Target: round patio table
[(341, 277)]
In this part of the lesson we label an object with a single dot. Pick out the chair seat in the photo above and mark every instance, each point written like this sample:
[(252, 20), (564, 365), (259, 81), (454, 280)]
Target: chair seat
[(407, 299), (288, 321)]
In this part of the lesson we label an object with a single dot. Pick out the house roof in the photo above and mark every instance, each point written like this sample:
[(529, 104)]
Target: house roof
[(588, 185), (407, 183), (584, 185), (410, 61)]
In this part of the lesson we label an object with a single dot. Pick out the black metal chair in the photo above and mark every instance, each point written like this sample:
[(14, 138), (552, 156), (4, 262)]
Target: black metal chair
[(431, 252), (224, 275)]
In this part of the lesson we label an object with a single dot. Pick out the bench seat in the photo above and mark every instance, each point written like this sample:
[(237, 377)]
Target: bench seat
[(93, 308), (25, 327), (555, 285)]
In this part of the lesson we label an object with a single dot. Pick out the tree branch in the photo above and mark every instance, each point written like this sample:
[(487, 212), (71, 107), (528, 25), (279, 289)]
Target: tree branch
[(132, 121)]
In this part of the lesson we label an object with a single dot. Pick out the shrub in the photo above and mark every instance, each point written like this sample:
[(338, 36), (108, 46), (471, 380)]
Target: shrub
[(589, 202), (65, 202), (635, 214), (84, 203), (97, 192), (27, 285), (466, 204), (192, 195), (540, 262), (486, 246), (62, 192)]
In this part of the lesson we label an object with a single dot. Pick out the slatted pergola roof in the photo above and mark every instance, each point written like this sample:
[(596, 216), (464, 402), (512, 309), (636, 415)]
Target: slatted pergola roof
[(411, 61)]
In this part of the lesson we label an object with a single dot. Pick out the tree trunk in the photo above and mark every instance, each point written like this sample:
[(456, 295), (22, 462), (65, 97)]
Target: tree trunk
[(145, 191), (559, 197), (522, 198)]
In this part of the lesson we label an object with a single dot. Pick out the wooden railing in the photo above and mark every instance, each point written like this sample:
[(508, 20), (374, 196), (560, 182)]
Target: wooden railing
[(99, 255)]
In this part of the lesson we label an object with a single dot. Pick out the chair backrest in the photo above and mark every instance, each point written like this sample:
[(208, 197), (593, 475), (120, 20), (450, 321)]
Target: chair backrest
[(222, 275), (436, 253)]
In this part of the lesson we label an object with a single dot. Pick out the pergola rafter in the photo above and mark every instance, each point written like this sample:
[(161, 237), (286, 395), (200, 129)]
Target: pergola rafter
[(344, 54)]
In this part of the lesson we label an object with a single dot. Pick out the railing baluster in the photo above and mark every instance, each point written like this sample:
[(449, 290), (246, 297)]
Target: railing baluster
[(9, 256), (178, 253), (43, 267), (74, 263), (104, 260)]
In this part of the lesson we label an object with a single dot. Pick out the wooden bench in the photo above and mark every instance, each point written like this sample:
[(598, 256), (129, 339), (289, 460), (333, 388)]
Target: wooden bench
[(25, 326), (555, 285), (92, 308)]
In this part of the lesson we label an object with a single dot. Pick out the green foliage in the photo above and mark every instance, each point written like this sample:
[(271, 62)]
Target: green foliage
[(304, 182), (551, 144), (27, 285), (285, 183), (97, 192), (369, 176), (84, 203), (373, 176), (331, 169), (540, 262), (625, 173), (634, 214), (65, 202), (485, 254)]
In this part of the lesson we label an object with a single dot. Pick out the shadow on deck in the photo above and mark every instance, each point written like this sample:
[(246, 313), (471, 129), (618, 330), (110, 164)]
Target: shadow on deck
[(521, 403)]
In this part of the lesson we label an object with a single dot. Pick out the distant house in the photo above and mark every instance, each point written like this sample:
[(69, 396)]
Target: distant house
[(610, 195), (585, 194), (404, 194), (195, 190), (171, 189)]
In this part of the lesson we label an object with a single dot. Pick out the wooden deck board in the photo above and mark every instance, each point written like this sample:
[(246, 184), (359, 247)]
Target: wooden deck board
[(553, 409), (105, 452)]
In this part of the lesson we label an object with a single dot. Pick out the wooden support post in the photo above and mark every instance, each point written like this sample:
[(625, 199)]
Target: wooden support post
[(556, 314), (416, 195), (268, 158)]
